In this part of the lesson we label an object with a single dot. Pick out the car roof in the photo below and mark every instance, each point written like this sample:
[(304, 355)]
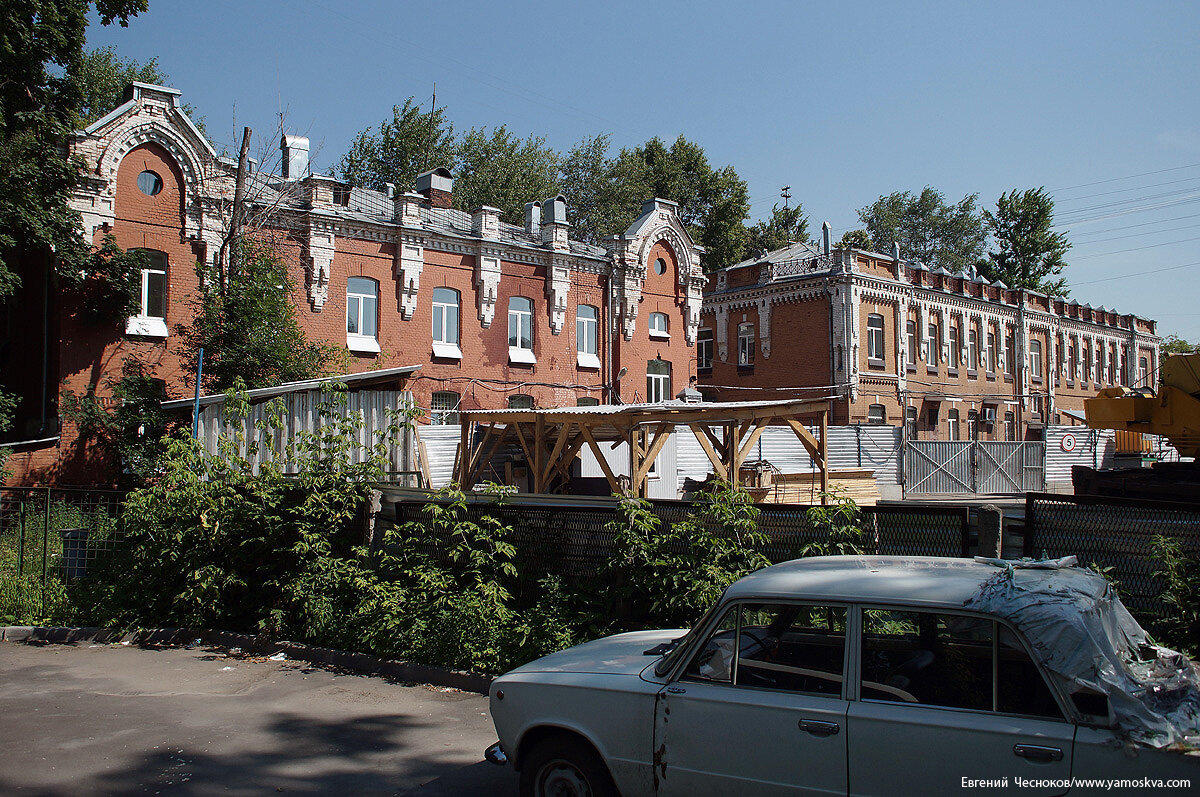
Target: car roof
[(924, 580)]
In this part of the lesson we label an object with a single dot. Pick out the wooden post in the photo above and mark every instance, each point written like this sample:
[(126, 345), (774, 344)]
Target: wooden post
[(824, 447), (464, 453)]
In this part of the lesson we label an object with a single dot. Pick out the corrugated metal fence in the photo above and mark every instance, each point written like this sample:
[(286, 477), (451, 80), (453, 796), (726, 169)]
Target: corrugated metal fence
[(973, 466)]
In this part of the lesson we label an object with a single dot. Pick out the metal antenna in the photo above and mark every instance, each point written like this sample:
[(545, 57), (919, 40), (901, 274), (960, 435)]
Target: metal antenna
[(786, 193)]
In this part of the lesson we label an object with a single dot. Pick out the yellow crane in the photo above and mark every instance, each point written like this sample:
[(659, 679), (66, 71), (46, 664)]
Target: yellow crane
[(1174, 412)]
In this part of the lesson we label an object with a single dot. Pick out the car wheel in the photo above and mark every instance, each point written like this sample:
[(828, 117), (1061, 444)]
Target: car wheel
[(565, 767)]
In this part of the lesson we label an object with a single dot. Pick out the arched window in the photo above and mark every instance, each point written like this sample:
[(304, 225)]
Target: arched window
[(934, 344), (445, 323), (362, 314), (658, 381), (520, 330), (875, 338), (658, 326), (151, 319)]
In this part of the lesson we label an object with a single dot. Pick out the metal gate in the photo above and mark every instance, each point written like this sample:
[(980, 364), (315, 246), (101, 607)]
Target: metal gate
[(973, 467)]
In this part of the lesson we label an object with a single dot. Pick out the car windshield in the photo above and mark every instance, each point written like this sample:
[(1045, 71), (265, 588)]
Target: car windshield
[(682, 644)]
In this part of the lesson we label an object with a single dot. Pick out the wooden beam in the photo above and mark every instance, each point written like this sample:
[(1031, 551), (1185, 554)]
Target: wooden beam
[(464, 451), (806, 439), (824, 441), (564, 435), (662, 433), (613, 481), (486, 454), (704, 438), (524, 445), (752, 439)]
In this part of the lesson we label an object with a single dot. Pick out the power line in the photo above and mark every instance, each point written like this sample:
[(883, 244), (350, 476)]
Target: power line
[(1125, 190), (1129, 177), (1136, 249), (1136, 274)]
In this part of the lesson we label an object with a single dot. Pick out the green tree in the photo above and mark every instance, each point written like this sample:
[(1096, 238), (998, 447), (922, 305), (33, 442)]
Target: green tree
[(787, 225), (411, 143), (101, 77), (41, 41), (246, 324), (1028, 253), (927, 228), (603, 198), (713, 203), (503, 171), (1173, 344), (855, 239)]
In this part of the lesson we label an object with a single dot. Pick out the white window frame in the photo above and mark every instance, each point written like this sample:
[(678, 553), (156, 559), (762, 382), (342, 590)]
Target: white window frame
[(910, 330), (1010, 426), (972, 348), (446, 415), (1143, 372), (935, 345), (704, 348), (875, 338), (955, 347), (991, 352), (587, 336), (518, 353), (445, 339), (660, 326), (876, 414), (746, 344), (143, 324), (356, 341), (658, 386), (952, 430), (1035, 359)]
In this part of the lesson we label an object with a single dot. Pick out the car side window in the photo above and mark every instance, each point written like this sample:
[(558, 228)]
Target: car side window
[(936, 659), (1020, 685), (793, 647)]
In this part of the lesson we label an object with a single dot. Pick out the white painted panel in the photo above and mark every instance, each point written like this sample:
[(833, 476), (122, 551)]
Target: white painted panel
[(1093, 448)]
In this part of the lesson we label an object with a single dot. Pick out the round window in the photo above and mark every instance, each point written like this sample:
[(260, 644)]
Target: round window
[(660, 266), (149, 183)]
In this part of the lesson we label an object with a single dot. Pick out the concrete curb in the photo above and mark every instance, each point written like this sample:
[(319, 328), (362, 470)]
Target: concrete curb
[(356, 662)]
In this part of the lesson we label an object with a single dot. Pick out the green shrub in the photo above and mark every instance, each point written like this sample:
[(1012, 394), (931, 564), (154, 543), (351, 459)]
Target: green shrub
[(1179, 628)]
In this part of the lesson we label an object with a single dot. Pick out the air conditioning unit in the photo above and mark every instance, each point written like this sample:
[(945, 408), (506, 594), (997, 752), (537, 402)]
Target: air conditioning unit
[(989, 414)]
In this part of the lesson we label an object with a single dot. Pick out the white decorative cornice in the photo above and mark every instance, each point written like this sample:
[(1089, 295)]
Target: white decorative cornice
[(319, 248), (487, 286), (409, 263), (558, 283)]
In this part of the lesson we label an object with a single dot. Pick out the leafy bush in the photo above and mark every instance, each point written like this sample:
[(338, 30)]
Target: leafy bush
[(842, 524), (1180, 627)]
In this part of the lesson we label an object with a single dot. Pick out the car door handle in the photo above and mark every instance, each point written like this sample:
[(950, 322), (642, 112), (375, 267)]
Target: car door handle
[(819, 727), (1037, 752), (676, 690)]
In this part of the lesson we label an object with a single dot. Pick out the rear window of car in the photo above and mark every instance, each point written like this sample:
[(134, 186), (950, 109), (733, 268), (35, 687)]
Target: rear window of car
[(950, 660)]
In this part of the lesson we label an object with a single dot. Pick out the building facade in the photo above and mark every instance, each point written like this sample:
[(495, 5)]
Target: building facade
[(949, 356), (494, 314)]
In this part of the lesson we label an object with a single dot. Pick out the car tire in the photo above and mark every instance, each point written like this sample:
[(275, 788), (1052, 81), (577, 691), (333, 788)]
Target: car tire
[(562, 766)]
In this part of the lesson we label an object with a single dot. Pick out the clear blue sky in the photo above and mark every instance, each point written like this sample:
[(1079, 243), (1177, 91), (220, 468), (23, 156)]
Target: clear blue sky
[(842, 101)]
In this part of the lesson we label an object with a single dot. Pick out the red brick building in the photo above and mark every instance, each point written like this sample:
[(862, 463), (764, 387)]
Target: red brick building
[(495, 314), (950, 356)]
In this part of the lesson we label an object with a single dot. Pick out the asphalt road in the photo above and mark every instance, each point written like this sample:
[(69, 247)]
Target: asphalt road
[(113, 719)]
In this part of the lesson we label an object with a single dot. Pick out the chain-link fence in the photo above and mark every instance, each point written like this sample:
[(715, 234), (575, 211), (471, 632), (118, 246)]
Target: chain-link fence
[(573, 542), (1115, 535), (48, 537)]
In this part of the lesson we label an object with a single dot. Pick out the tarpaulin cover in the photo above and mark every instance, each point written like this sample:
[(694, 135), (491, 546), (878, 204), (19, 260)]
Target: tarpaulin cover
[(1085, 637)]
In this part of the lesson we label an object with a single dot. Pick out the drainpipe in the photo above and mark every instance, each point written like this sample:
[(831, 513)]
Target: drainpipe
[(606, 364), (45, 419)]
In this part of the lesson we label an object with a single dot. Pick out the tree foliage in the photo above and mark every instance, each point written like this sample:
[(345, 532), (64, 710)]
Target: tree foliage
[(1173, 344), (41, 41), (928, 228), (855, 239), (246, 323), (603, 197), (413, 141), (787, 225), (501, 170), (100, 77), (1028, 253)]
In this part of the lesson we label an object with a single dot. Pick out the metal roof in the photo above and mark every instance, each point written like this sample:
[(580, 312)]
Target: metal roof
[(708, 407), (925, 580), (357, 381)]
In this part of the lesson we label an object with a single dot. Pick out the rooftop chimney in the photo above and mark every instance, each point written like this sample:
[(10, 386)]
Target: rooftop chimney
[(295, 157), (896, 251), (826, 235), (533, 218), (554, 223), (437, 186)]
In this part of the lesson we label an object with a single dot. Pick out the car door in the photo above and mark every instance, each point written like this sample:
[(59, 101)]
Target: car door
[(948, 702), (759, 709)]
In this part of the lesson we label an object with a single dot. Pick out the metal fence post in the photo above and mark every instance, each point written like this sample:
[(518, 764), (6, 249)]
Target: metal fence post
[(21, 537), (45, 547)]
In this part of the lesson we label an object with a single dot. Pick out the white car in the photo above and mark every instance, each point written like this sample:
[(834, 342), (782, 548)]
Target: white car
[(865, 676)]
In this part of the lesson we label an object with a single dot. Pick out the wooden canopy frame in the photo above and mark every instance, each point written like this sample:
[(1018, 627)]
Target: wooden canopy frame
[(551, 438)]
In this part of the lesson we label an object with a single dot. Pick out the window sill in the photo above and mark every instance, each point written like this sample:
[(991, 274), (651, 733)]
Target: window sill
[(1008, 378), (362, 344), (931, 369), (656, 335), (972, 373), (450, 351), (874, 362), (585, 360), (146, 327), (519, 355), (912, 369), (990, 376), (1037, 380), (952, 372)]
